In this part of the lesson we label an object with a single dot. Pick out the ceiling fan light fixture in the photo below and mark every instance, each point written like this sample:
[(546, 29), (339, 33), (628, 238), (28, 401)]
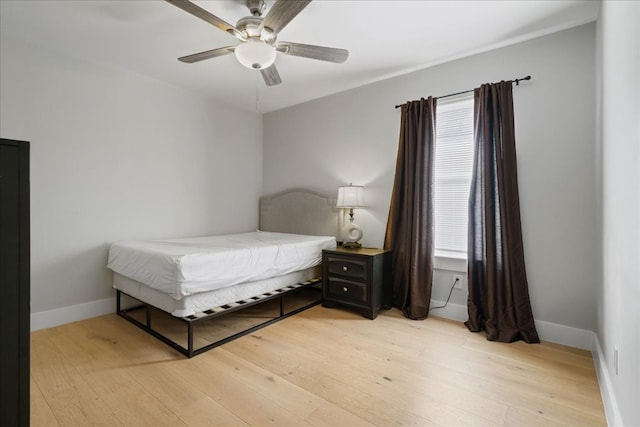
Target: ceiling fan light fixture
[(255, 54)]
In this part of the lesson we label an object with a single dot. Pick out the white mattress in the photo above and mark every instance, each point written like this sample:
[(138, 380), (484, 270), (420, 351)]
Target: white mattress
[(202, 301), (183, 267)]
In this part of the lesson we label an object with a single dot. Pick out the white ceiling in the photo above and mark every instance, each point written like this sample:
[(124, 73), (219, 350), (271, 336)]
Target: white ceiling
[(384, 38)]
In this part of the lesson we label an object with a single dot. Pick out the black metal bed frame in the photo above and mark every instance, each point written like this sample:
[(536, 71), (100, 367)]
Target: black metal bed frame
[(190, 321)]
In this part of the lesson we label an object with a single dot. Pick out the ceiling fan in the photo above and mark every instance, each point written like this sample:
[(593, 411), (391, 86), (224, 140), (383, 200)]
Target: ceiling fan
[(257, 34)]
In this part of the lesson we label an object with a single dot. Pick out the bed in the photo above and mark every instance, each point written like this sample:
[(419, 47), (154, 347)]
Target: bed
[(173, 285)]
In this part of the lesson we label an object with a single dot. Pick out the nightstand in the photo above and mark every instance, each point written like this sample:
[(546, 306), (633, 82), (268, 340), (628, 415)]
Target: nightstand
[(359, 279)]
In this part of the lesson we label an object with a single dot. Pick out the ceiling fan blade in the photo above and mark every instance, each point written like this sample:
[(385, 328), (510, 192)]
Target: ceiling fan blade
[(322, 53), (207, 54), (199, 12), (281, 13), (271, 76)]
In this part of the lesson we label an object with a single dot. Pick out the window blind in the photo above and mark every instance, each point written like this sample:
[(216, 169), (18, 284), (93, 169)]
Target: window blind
[(453, 166)]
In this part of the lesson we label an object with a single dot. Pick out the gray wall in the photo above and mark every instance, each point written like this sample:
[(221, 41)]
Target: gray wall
[(115, 155), (353, 137), (618, 296)]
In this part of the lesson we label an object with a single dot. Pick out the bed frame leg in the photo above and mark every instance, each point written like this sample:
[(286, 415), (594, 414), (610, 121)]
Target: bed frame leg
[(190, 339), (148, 312), (281, 305)]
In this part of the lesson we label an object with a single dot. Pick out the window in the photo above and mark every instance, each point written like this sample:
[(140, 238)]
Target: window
[(452, 180)]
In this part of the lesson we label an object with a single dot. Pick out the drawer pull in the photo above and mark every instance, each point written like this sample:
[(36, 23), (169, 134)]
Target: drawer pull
[(345, 268), (344, 288)]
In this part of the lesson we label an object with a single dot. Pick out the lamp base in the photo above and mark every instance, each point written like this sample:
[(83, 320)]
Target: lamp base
[(351, 233), (351, 245)]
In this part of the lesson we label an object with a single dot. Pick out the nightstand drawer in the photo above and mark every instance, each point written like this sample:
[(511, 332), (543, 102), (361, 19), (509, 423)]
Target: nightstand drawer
[(346, 290), (348, 267)]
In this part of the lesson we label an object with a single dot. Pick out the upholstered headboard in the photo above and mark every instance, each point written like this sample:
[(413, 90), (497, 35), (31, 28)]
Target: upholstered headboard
[(300, 211)]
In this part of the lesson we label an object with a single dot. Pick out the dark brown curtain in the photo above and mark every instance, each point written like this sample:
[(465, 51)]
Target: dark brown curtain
[(498, 292), (409, 232)]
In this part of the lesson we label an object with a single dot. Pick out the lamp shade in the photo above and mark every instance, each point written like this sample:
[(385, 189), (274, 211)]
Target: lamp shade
[(350, 196), (255, 54)]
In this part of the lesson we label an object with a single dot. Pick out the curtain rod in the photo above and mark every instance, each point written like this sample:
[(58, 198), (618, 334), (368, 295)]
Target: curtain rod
[(516, 81)]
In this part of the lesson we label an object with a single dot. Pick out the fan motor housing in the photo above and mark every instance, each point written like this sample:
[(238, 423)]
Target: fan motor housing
[(250, 26)]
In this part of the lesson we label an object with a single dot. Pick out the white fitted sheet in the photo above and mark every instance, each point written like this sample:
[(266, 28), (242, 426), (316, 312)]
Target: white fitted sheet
[(183, 267), (192, 304)]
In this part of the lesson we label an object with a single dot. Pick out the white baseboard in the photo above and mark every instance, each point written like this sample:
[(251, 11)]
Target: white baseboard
[(451, 311), (611, 411), (565, 335), (72, 313), (552, 332)]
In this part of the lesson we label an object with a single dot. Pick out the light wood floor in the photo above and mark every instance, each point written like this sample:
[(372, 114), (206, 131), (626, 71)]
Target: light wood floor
[(321, 367)]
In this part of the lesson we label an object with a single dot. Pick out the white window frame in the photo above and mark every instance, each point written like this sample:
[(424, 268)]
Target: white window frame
[(447, 259)]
